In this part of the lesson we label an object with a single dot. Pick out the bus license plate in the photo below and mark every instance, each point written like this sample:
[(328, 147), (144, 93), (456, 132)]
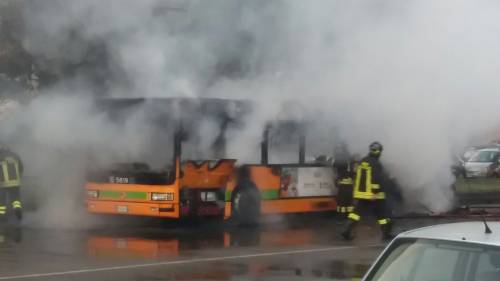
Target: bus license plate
[(122, 209)]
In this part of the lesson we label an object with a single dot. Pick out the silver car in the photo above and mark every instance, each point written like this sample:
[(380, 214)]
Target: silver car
[(468, 251), (481, 161)]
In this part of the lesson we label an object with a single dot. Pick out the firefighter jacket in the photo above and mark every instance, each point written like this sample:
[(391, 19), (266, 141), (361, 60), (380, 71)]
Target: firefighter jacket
[(11, 169), (368, 183), (344, 169)]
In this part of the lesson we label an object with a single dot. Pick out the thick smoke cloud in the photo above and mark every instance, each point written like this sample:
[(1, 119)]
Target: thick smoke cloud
[(155, 48), (418, 76)]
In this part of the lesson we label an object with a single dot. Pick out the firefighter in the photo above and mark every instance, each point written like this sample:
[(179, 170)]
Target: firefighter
[(368, 193), (344, 167), (11, 170)]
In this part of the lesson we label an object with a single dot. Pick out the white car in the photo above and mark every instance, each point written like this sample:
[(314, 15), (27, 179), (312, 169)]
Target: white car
[(480, 161), (468, 251)]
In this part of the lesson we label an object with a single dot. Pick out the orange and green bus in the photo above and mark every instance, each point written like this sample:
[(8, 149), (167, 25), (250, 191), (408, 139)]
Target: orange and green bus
[(212, 188)]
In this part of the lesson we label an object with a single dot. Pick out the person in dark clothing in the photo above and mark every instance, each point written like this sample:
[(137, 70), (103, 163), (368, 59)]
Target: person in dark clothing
[(344, 168), (245, 199), (369, 194), (11, 170)]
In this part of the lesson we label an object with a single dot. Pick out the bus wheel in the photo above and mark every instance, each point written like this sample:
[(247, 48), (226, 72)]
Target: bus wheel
[(246, 205)]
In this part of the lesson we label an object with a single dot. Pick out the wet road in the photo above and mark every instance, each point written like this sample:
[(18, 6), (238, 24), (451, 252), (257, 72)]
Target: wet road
[(305, 249)]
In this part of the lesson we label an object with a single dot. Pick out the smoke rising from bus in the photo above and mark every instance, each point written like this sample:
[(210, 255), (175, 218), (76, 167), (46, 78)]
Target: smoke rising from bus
[(418, 76)]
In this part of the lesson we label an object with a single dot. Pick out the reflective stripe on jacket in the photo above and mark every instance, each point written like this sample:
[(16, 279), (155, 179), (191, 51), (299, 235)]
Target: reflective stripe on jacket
[(368, 180), (346, 181), (10, 175)]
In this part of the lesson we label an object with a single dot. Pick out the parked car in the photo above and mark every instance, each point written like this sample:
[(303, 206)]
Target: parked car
[(459, 160), (467, 251), (481, 161)]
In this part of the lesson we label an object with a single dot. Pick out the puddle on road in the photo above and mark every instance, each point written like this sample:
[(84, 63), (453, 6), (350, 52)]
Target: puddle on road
[(276, 269), (331, 270), (149, 247), (342, 266), (57, 250)]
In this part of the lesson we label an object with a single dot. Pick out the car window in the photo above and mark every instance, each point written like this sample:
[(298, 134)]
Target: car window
[(488, 266), (484, 156), (398, 264), (428, 260), (428, 269), (418, 262)]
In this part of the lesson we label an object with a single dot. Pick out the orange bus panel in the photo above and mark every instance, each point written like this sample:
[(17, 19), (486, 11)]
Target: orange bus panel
[(294, 205), (203, 176), (298, 205), (133, 208), (264, 177)]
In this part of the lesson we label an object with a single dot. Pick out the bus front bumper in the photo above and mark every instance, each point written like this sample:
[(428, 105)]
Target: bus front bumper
[(169, 210)]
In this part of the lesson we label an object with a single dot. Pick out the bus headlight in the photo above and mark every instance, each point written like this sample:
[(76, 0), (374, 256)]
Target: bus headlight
[(92, 193), (162, 196)]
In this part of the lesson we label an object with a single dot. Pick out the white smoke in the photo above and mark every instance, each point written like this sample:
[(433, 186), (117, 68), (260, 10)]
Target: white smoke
[(418, 76), (60, 138)]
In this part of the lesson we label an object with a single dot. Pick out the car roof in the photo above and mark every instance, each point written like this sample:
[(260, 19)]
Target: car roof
[(463, 231)]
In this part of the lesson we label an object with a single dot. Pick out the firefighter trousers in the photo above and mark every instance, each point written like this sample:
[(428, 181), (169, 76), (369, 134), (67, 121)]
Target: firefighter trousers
[(363, 207), (376, 207), (10, 200), (344, 199)]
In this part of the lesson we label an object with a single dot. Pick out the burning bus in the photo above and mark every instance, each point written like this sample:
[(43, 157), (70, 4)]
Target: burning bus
[(219, 187)]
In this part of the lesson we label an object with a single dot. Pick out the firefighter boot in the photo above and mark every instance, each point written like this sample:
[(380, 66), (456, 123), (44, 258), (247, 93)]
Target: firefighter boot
[(347, 233), (18, 212), (387, 232), (17, 208)]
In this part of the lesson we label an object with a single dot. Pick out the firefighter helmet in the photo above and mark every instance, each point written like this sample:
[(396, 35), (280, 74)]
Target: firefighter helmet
[(376, 148)]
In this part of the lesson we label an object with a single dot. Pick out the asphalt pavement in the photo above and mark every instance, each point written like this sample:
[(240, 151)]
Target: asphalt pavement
[(299, 248)]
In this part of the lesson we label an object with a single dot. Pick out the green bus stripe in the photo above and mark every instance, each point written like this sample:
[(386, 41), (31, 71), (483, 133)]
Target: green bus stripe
[(270, 194), (267, 194), (118, 194)]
